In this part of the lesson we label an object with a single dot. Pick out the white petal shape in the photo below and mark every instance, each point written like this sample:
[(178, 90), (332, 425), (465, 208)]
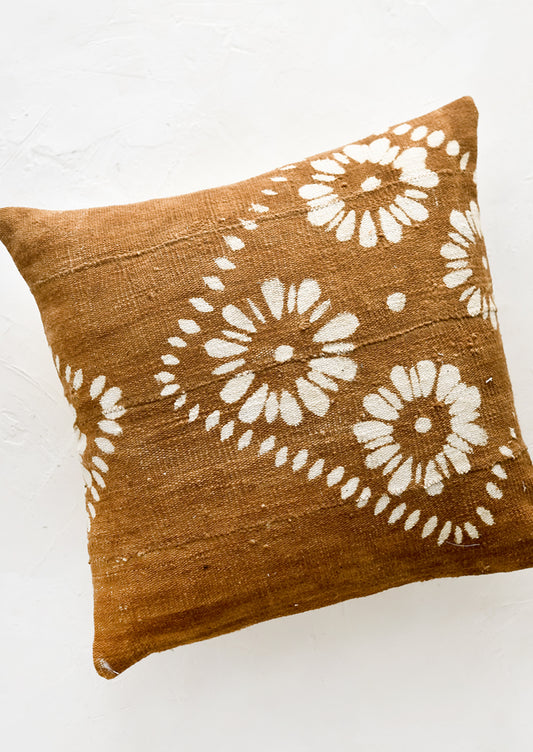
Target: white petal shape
[(412, 208), (188, 326), (322, 215), (315, 470), (346, 228), (299, 460), (164, 377), (470, 432), (391, 228), (403, 128), (221, 348), (380, 456), (237, 387), (349, 488), (341, 326), (110, 426), (377, 149), (323, 381), (180, 401), (212, 420), (436, 138), (471, 530), (235, 317), (251, 409), (271, 407), (381, 504), (456, 278), (397, 512), (401, 478), (499, 471), (357, 152), (100, 464), (77, 381), (231, 365), (170, 360), (97, 387), (452, 251), (256, 311), (401, 381), (315, 400), (380, 408), (493, 490), (319, 311), (367, 231), (485, 515), (227, 430), (289, 409), (390, 397), (308, 294), (430, 526), (419, 133), (412, 163), (458, 458), (432, 479), (224, 263), (367, 430), (281, 456), (273, 291), (335, 476), (444, 533), (449, 377), (466, 403), (412, 520), (427, 372), (327, 165), (177, 342), (474, 304), (109, 399), (232, 334), (104, 445), (399, 214), (337, 366), (234, 242), (201, 305), (267, 445), (459, 221), (314, 190), (245, 439), (169, 389), (194, 412), (364, 497)]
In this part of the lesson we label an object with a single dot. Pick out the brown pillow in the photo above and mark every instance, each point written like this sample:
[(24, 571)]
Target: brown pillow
[(288, 392)]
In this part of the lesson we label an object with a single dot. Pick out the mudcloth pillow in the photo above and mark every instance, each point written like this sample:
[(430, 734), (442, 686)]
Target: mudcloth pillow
[(287, 392)]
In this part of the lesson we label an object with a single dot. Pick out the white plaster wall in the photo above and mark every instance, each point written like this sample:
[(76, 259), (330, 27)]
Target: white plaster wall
[(122, 100)]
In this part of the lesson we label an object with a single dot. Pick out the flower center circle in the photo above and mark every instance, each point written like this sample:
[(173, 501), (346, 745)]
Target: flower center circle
[(283, 353), (422, 425)]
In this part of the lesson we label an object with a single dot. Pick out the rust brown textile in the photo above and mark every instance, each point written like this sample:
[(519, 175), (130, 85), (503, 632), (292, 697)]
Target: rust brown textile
[(288, 392)]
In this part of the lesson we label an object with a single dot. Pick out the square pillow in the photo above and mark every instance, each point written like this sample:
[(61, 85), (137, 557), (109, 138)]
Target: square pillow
[(287, 392)]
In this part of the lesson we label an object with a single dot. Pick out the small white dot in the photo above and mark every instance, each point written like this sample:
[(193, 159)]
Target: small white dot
[(452, 148), (423, 425), (396, 301), (283, 353)]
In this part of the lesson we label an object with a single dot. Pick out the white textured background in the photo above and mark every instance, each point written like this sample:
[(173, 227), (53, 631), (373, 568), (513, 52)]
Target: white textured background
[(120, 100)]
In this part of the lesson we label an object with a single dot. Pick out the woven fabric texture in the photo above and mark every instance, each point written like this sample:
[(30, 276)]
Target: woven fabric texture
[(288, 391)]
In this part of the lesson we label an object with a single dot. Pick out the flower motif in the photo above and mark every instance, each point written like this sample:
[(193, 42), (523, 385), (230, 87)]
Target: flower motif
[(279, 357), (423, 429), (465, 248), (95, 466), (329, 198)]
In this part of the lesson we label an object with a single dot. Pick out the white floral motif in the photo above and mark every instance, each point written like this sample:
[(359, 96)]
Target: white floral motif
[(327, 207), (95, 467), (423, 428), (254, 345), (466, 235)]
